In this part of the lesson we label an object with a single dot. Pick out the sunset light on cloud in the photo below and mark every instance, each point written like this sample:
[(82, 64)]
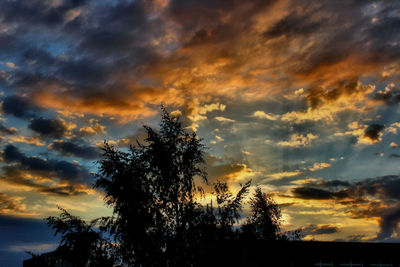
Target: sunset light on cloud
[(301, 97)]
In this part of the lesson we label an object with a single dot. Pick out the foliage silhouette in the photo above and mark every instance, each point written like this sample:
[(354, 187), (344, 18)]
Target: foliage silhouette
[(80, 243), (157, 218), (263, 222)]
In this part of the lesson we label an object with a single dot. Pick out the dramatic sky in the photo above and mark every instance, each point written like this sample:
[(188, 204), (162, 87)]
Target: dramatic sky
[(301, 96)]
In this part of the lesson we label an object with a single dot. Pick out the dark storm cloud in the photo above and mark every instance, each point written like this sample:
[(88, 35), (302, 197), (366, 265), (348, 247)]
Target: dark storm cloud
[(317, 193), (68, 190), (334, 183), (7, 131), (387, 28), (84, 72), (19, 106), (74, 149), (358, 42), (48, 127), (72, 173), (385, 188), (109, 47), (389, 224), (105, 44), (119, 31), (373, 131), (324, 229)]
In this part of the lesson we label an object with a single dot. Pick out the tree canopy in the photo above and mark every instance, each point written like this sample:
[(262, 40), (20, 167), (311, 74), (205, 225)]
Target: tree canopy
[(158, 219)]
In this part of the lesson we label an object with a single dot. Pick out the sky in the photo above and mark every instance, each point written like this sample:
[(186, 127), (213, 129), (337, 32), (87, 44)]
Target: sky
[(299, 96)]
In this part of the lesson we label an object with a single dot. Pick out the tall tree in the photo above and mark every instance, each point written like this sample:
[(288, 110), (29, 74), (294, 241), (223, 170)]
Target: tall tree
[(151, 189), (157, 219)]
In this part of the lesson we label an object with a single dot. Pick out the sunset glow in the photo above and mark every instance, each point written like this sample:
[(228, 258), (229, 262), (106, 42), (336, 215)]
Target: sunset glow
[(301, 97)]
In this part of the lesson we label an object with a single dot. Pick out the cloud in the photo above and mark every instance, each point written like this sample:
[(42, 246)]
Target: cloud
[(7, 131), (369, 198), (388, 96), (223, 170), (11, 65), (92, 129), (123, 65), (24, 180), (280, 175), (394, 145), (325, 103), (195, 112), (223, 119), (119, 61), (355, 129), (48, 127), (263, 115), (19, 106), (138, 137), (393, 128), (319, 166), (11, 205), (33, 247), (321, 229), (298, 140), (318, 96), (74, 149), (52, 13), (372, 134), (385, 187), (34, 141), (313, 193), (218, 139), (63, 170), (389, 224)]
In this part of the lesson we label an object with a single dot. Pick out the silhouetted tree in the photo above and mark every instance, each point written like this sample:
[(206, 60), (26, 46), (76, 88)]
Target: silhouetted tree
[(80, 243), (263, 222), (157, 219), (151, 189)]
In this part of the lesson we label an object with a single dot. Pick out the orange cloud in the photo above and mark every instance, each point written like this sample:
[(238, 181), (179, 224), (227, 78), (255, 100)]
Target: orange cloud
[(297, 140)]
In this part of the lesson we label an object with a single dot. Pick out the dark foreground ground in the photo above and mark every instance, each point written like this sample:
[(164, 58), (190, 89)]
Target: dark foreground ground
[(292, 253)]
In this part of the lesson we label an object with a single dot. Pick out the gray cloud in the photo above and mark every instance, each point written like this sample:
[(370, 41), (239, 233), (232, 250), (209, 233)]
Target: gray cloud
[(75, 149), (385, 188), (47, 127), (324, 229), (18, 106), (7, 131), (66, 171)]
